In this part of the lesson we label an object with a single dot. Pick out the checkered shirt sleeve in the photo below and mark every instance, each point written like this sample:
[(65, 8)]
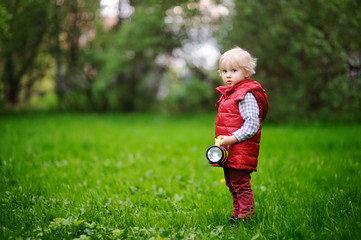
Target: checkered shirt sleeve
[(249, 111)]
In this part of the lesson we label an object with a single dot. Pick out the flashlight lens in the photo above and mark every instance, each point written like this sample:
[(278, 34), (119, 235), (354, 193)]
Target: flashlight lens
[(214, 154)]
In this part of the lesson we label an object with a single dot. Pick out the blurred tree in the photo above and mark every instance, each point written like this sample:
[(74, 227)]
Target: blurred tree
[(125, 60), (23, 25), (5, 16), (302, 47), (72, 29)]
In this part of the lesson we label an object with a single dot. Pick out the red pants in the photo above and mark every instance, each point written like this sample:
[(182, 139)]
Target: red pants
[(239, 184)]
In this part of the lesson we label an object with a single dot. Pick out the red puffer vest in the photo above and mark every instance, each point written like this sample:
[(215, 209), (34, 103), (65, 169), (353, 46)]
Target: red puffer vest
[(242, 155)]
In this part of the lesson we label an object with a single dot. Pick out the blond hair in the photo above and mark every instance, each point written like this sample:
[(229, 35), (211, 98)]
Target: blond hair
[(237, 58)]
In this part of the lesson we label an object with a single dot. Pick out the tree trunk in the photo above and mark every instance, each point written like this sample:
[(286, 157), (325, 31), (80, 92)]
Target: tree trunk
[(12, 84)]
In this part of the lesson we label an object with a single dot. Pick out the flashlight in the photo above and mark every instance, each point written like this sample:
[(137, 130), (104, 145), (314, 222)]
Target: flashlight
[(217, 154)]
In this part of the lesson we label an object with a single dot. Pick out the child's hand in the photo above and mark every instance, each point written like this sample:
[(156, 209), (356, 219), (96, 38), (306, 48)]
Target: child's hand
[(228, 140)]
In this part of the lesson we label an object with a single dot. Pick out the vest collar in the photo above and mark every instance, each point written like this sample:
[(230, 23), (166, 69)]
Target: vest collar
[(225, 90)]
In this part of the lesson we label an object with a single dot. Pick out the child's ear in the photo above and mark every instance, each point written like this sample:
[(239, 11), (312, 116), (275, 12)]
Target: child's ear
[(247, 74)]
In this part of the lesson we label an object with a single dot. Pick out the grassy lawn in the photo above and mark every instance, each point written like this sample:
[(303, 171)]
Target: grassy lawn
[(113, 176)]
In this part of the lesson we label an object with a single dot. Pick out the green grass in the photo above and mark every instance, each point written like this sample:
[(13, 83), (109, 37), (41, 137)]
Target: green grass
[(113, 176)]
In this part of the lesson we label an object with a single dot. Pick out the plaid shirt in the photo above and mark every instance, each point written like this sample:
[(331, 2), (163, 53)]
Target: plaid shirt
[(248, 108)]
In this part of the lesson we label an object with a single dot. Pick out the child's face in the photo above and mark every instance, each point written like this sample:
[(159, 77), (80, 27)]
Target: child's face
[(232, 76)]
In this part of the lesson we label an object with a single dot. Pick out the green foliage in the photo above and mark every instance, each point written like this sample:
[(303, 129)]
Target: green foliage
[(190, 95), (23, 25), (302, 50), (5, 17), (129, 77), (72, 176)]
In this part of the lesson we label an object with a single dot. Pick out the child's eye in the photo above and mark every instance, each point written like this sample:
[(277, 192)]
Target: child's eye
[(234, 70), (224, 71)]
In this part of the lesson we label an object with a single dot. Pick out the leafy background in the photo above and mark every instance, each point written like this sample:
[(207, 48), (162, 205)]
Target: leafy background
[(64, 55)]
